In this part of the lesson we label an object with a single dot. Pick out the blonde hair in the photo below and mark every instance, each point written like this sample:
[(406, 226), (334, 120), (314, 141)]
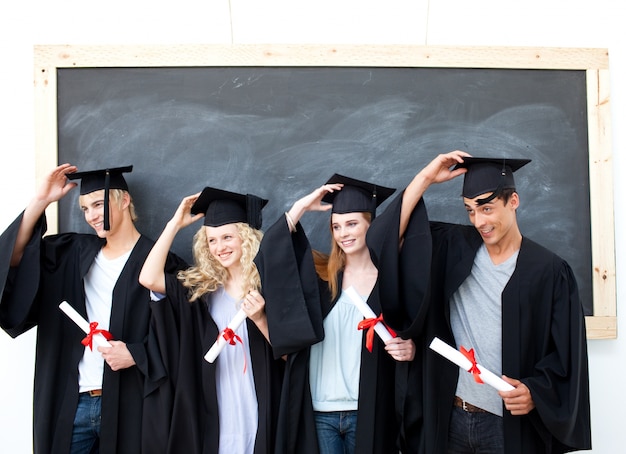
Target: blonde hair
[(117, 196), (328, 266), (207, 273)]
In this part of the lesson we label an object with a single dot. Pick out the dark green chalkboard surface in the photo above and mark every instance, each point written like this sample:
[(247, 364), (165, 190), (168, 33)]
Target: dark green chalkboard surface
[(279, 132)]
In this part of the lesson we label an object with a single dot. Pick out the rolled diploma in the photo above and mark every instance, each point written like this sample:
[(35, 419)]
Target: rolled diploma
[(83, 324), (220, 343), (460, 360), (367, 312)]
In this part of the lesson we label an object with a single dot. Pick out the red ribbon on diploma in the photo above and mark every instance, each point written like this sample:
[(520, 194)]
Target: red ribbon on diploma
[(231, 337), (369, 324), (474, 369), (88, 340)]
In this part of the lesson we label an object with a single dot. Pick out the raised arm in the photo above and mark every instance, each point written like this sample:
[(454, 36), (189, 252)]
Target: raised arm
[(437, 171), (310, 202), (152, 274), (54, 187)]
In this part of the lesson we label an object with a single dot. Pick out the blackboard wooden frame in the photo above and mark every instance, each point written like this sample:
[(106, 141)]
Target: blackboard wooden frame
[(594, 61)]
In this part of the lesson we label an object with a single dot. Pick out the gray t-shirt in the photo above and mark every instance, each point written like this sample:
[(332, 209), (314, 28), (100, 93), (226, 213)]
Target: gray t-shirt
[(476, 320)]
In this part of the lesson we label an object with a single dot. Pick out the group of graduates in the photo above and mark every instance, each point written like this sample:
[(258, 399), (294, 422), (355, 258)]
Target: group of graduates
[(301, 369)]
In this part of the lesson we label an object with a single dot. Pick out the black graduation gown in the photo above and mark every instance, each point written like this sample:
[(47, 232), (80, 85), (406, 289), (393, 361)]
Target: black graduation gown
[(404, 304), (51, 271), (296, 304), (543, 345), (184, 409)]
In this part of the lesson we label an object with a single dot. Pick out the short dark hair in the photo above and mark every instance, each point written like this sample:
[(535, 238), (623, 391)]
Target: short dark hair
[(506, 194)]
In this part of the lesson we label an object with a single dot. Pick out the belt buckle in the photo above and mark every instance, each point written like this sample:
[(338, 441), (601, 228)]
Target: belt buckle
[(464, 406)]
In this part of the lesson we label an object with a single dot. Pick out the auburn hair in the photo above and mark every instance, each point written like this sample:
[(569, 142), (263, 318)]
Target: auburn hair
[(328, 266)]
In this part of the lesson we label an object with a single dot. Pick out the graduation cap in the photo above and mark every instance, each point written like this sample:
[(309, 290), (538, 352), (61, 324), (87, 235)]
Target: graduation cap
[(488, 175), (223, 207), (95, 180), (356, 195)]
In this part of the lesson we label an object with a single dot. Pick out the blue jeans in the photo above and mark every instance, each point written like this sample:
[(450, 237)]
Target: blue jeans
[(474, 433), (336, 431), (86, 432)]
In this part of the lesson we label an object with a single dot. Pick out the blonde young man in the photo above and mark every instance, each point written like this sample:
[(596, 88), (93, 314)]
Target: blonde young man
[(87, 398)]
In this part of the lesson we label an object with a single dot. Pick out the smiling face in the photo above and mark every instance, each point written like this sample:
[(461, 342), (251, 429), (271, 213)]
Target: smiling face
[(92, 205), (349, 231), (225, 245), (495, 220)]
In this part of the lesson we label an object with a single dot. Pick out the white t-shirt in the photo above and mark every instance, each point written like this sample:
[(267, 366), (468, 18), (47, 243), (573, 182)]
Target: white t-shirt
[(99, 284)]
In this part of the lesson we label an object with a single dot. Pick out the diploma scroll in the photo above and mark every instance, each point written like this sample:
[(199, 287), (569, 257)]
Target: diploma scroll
[(368, 313), (221, 341), (83, 324), (464, 363)]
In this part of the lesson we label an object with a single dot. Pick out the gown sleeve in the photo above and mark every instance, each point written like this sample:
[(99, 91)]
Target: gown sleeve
[(290, 288), (172, 412), (560, 387), (148, 361), (403, 266), (18, 309)]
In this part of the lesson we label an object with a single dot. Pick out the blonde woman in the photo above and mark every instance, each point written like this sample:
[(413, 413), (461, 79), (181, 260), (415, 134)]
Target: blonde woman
[(226, 406)]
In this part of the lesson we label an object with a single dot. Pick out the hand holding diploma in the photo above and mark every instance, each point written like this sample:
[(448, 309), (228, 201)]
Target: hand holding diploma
[(371, 320), (99, 336), (464, 362), (227, 336)]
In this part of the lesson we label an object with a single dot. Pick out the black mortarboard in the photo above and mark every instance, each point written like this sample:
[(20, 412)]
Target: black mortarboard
[(489, 175), (223, 207), (356, 195), (95, 180)]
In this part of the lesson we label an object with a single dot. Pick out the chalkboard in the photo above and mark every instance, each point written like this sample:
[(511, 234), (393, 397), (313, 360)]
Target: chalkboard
[(280, 131)]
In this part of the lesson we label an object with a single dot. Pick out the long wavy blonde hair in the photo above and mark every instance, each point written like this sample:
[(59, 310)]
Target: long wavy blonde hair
[(207, 274), (328, 266)]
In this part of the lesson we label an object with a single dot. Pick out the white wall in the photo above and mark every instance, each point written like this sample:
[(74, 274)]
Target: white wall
[(561, 23)]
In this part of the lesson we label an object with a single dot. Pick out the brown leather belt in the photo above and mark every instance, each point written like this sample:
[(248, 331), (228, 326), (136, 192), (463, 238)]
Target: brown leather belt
[(458, 402), (94, 392)]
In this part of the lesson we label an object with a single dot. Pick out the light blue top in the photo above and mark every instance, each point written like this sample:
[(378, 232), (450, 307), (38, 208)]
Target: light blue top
[(335, 363)]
